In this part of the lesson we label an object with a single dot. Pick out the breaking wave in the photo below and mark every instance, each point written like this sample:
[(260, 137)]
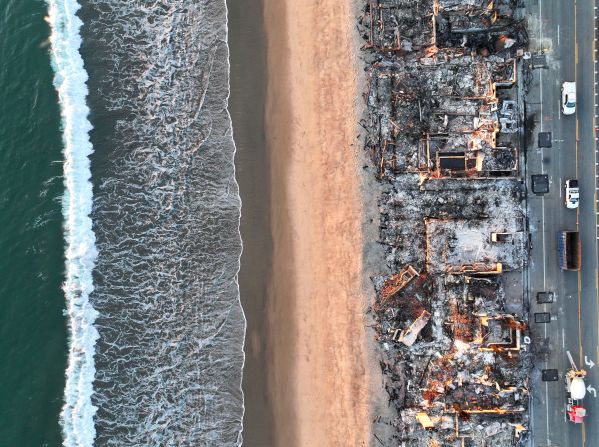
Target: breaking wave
[(166, 215), (70, 82)]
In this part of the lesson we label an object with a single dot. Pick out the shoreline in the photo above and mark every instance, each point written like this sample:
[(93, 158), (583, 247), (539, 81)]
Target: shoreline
[(318, 381), (246, 106)]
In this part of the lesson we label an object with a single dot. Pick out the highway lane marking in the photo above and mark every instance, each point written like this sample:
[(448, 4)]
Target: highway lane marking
[(559, 115), (547, 410), (560, 187), (542, 150), (589, 362), (543, 213), (578, 210), (544, 254)]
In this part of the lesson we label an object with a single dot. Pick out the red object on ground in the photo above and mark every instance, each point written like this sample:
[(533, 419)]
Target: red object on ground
[(576, 414)]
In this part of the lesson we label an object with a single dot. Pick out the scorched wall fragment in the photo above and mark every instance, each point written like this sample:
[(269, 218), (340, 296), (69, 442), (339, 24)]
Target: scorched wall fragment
[(444, 131)]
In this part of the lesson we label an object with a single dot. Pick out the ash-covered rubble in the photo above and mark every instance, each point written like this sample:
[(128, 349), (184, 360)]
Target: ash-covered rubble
[(416, 25), (444, 128), (453, 115)]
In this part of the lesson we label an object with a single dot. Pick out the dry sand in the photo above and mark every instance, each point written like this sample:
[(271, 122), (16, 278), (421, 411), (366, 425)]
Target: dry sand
[(318, 380)]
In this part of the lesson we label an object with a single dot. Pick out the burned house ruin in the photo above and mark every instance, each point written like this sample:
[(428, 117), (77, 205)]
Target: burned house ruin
[(444, 132)]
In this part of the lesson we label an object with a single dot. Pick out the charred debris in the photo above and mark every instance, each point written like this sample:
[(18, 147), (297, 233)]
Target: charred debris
[(444, 132)]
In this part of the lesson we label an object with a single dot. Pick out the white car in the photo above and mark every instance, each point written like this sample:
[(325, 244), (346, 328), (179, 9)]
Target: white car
[(572, 196), (569, 98)]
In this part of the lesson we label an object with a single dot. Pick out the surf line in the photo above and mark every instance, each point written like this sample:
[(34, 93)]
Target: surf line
[(70, 77)]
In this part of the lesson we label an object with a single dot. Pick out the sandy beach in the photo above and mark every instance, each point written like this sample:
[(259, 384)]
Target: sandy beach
[(317, 379)]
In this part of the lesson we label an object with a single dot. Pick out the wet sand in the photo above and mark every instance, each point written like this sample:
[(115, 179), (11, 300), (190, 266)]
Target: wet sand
[(315, 360), (305, 381), (246, 105)]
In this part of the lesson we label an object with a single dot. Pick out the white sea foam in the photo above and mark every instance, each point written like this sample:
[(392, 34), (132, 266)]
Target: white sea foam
[(166, 217), (70, 79)]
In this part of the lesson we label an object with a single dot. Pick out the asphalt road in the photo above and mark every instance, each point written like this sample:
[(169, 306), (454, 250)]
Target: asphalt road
[(565, 32)]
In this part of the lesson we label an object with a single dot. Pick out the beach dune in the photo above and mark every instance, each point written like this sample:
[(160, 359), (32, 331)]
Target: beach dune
[(317, 375)]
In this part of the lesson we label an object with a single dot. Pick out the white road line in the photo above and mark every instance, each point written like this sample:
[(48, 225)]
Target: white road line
[(563, 338), (544, 254), (559, 115), (560, 186), (547, 410), (543, 205)]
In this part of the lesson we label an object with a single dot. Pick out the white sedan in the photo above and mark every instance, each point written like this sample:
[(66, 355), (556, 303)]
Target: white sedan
[(569, 98)]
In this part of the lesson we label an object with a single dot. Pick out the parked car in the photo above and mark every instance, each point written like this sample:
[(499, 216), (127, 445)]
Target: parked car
[(569, 98), (540, 184), (572, 195)]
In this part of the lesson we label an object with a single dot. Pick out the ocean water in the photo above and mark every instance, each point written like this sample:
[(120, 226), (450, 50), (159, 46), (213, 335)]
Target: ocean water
[(80, 253), (121, 321), (151, 222), (33, 335)]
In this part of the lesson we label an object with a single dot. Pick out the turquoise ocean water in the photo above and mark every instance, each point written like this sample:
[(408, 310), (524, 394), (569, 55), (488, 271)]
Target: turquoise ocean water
[(121, 322), (33, 337)]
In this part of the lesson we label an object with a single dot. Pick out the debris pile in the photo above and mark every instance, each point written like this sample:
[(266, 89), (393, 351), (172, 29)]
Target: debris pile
[(444, 128), (444, 117), (407, 26)]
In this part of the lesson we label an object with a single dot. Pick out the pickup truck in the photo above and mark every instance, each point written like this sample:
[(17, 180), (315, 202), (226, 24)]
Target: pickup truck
[(572, 194)]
